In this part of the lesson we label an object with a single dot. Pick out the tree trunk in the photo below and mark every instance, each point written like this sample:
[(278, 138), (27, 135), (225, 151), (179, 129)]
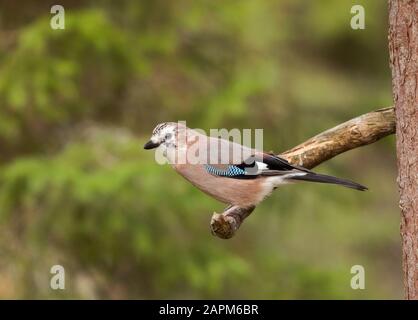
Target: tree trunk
[(403, 49)]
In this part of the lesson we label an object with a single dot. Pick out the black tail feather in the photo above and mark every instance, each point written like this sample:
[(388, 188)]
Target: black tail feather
[(322, 178)]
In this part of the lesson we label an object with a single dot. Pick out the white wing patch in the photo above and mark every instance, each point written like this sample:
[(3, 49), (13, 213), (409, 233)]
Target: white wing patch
[(257, 169), (261, 166)]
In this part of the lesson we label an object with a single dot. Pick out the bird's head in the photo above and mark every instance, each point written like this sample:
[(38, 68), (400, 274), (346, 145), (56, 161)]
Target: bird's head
[(164, 134)]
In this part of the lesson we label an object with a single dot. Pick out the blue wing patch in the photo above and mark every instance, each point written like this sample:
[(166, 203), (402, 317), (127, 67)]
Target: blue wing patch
[(231, 171)]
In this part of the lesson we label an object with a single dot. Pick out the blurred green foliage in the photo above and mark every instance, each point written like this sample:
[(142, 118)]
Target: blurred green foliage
[(76, 188)]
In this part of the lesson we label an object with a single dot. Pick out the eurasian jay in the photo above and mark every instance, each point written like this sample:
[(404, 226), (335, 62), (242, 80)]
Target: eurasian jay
[(247, 176)]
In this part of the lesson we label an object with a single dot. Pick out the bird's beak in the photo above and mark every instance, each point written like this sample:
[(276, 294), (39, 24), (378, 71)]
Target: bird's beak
[(151, 145)]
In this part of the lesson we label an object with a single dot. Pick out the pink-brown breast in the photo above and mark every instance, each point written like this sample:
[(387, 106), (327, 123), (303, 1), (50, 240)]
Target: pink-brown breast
[(240, 192)]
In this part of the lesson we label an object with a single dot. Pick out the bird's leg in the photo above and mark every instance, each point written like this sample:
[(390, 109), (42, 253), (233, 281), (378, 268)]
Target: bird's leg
[(224, 225)]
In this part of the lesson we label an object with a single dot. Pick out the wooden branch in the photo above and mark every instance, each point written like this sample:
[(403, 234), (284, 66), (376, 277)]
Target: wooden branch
[(226, 223), (354, 133)]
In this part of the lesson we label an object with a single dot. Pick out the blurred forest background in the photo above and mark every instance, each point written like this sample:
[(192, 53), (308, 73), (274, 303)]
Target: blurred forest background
[(77, 189)]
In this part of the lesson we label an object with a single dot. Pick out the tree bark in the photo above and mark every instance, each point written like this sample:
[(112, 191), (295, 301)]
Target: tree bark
[(354, 133), (403, 49)]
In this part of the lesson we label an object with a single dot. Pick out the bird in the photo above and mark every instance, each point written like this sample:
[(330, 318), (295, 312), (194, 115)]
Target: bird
[(228, 171)]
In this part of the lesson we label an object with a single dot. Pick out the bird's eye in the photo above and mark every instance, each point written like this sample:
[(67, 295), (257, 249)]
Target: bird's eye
[(167, 136)]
